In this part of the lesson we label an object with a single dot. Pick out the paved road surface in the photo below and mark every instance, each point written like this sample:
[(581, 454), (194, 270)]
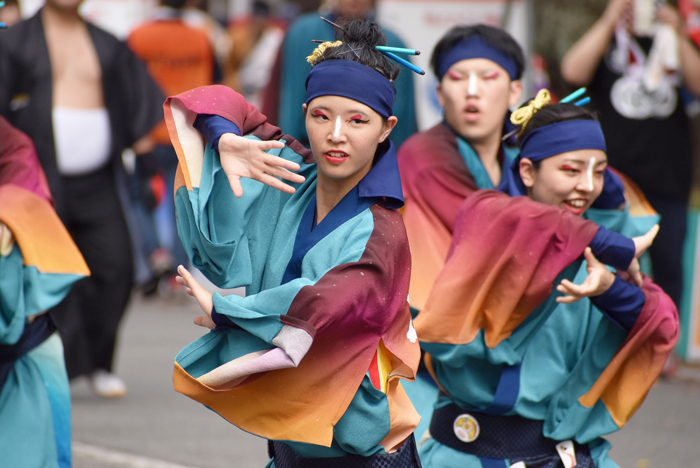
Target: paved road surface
[(154, 427)]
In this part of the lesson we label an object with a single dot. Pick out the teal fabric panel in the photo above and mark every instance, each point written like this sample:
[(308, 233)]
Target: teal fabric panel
[(217, 347), (599, 452), (249, 241), (12, 301), (476, 167), (482, 366), (25, 291), (297, 46), (35, 410), (49, 359), (226, 250), (259, 314), (42, 291), (621, 221), (366, 420), (423, 394), (561, 359)]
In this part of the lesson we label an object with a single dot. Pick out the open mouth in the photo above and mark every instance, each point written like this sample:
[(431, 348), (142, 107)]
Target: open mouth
[(336, 157), (472, 112), (576, 206)]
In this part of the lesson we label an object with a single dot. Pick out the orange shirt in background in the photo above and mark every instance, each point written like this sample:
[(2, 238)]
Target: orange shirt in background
[(178, 58)]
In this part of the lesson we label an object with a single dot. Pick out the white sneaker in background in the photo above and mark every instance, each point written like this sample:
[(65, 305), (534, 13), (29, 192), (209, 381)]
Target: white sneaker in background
[(107, 385)]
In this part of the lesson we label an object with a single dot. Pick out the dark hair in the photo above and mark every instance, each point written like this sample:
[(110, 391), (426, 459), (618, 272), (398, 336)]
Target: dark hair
[(555, 113), (495, 37), (552, 114), (362, 35)]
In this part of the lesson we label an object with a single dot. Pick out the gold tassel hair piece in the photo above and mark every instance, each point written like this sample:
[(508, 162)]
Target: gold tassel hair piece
[(522, 116), (320, 49)]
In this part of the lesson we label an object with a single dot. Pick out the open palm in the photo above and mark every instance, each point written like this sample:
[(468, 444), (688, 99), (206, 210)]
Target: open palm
[(245, 157)]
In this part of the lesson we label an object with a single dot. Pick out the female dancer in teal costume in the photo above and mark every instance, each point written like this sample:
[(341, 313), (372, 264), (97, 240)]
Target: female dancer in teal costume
[(311, 358), (38, 265), (549, 372)]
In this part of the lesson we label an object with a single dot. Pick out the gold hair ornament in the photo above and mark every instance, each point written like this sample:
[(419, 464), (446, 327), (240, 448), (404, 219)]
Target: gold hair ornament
[(318, 52), (522, 116)]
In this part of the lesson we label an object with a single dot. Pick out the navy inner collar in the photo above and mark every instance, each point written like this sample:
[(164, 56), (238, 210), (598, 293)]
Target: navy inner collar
[(383, 180)]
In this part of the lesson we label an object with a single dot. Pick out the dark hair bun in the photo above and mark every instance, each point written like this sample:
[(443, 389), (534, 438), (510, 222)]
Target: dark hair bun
[(361, 31), (362, 35)]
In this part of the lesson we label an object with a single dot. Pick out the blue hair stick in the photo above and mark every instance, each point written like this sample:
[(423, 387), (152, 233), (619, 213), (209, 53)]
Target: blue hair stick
[(583, 101), (405, 63), (3, 26), (576, 94), (2, 4), (397, 50)]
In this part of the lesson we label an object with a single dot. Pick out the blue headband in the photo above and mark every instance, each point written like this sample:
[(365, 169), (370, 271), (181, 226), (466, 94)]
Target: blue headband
[(475, 47), (352, 80), (562, 137)]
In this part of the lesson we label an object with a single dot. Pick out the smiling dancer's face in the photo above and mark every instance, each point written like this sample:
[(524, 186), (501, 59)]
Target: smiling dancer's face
[(475, 95), (572, 180), (344, 135)]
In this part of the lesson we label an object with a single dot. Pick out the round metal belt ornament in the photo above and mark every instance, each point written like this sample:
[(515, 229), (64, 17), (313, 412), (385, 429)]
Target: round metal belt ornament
[(466, 428)]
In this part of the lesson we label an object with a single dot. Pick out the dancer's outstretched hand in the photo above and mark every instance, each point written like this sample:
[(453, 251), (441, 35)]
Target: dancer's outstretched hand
[(598, 281), (641, 244), (196, 290), (245, 157)]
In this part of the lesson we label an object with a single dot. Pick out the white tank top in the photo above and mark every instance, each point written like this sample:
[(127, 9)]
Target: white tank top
[(83, 139)]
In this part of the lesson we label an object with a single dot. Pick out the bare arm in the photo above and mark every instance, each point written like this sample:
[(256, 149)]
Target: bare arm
[(581, 61), (688, 53)]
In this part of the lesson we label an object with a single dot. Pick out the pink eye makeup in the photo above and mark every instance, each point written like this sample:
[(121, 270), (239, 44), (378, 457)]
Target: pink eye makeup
[(566, 167), (318, 113), (492, 75), (454, 75), (358, 118)]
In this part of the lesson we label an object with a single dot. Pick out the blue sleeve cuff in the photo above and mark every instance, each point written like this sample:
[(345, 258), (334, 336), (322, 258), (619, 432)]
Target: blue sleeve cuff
[(222, 321), (213, 127), (613, 249), (622, 303)]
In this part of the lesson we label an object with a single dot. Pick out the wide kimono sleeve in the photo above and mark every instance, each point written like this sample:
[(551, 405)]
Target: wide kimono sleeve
[(286, 363), (225, 237), (435, 183), (616, 370), (613, 377), (505, 257), (39, 262)]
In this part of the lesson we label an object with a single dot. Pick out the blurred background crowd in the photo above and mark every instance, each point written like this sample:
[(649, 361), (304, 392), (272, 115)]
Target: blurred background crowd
[(257, 47)]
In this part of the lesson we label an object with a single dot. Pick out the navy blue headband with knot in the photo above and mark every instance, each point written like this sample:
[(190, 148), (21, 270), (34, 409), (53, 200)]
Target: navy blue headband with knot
[(349, 79), (562, 137), (475, 47)]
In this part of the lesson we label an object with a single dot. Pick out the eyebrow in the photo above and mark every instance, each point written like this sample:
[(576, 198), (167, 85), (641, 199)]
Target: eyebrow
[(357, 111), (583, 163), (478, 71), (351, 111)]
